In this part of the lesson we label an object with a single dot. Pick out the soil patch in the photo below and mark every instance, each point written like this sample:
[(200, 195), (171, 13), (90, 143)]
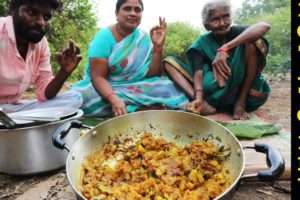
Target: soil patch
[(278, 106)]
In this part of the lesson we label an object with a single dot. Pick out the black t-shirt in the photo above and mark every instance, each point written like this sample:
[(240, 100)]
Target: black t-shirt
[(198, 60)]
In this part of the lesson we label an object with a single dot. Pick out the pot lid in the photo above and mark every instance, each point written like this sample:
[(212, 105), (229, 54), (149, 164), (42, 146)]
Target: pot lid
[(57, 113), (41, 116)]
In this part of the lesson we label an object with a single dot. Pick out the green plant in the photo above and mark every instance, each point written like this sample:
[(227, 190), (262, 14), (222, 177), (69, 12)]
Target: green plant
[(77, 21), (278, 15), (180, 36)]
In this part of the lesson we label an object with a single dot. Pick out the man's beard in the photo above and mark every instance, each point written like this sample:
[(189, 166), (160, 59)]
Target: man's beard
[(24, 31)]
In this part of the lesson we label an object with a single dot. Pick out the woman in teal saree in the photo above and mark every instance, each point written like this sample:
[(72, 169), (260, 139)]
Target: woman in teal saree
[(224, 65), (124, 69)]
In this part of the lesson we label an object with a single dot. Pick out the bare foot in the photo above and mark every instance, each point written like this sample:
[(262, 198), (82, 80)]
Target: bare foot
[(239, 112), (207, 109)]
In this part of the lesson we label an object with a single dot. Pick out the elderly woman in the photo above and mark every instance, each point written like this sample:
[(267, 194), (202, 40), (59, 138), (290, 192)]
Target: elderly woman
[(224, 65), (124, 67)]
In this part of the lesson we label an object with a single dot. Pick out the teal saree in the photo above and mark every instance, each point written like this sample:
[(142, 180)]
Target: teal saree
[(225, 98), (128, 64)]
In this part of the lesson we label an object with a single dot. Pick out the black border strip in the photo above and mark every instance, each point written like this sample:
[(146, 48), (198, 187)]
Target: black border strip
[(295, 98)]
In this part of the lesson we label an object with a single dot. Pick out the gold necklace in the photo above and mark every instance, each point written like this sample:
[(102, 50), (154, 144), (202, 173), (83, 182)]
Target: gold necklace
[(121, 36)]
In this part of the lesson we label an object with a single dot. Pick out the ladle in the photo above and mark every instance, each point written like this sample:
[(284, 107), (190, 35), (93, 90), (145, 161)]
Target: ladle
[(6, 120)]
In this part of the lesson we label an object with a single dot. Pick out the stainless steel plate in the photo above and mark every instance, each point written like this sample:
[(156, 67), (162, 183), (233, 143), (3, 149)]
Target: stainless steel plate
[(41, 116), (43, 113)]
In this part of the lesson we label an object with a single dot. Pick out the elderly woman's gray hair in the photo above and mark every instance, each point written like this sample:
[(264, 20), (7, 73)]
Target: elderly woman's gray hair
[(212, 4)]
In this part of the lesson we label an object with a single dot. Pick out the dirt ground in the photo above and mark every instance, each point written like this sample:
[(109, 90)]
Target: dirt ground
[(278, 106), (276, 109), (55, 186)]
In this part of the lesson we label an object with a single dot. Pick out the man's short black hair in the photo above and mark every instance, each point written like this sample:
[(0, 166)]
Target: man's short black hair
[(55, 4)]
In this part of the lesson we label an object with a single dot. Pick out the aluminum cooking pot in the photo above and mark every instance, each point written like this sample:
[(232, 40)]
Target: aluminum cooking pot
[(29, 150), (168, 124)]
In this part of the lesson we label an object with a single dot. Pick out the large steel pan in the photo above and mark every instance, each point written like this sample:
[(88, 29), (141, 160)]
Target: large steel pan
[(29, 150), (167, 124)]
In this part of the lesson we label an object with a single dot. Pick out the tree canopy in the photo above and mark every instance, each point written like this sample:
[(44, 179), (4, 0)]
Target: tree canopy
[(179, 37), (4, 7), (277, 13), (76, 21), (252, 8)]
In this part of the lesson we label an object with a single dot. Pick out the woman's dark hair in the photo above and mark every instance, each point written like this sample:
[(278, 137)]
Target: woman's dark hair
[(121, 2), (55, 4)]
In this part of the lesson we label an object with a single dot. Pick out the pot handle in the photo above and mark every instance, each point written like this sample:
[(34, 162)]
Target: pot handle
[(61, 132), (275, 162)]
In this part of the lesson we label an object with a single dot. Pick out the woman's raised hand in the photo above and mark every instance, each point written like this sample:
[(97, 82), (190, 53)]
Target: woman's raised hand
[(158, 33)]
